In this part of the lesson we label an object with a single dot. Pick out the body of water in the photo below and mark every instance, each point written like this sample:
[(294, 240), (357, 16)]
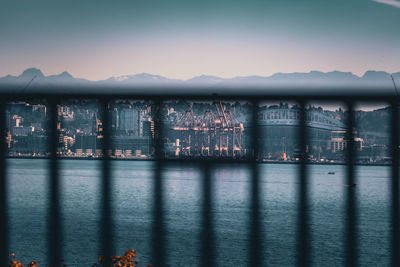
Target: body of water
[(132, 186)]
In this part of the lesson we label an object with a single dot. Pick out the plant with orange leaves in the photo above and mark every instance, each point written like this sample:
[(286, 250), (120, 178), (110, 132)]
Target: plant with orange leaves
[(128, 260), (15, 263)]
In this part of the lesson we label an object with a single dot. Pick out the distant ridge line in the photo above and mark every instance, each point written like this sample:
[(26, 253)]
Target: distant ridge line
[(332, 78)]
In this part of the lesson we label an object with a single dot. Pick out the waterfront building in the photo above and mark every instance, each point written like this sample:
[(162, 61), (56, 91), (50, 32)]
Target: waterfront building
[(279, 126), (126, 144)]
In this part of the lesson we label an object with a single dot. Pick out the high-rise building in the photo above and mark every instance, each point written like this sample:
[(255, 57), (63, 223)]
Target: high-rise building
[(129, 119), (148, 128)]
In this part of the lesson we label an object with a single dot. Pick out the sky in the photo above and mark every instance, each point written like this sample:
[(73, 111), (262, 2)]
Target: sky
[(97, 39)]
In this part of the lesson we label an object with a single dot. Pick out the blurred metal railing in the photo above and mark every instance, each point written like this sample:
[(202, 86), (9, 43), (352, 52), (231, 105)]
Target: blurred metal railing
[(255, 241)]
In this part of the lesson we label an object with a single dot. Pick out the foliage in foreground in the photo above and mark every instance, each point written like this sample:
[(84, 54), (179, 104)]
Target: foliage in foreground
[(127, 260)]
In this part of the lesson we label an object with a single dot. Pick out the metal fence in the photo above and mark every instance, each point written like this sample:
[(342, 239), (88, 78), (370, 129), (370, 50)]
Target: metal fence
[(255, 240)]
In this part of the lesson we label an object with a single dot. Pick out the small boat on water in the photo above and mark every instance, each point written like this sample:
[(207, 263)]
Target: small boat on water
[(331, 173)]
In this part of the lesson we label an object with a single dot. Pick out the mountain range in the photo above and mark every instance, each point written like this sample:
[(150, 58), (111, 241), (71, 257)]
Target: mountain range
[(34, 77)]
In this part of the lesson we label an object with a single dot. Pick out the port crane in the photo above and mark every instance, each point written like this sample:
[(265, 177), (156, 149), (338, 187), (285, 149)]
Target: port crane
[(214, 133)]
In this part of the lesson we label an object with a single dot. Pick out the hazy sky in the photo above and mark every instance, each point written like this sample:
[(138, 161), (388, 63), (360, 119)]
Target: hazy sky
[(97, 39)]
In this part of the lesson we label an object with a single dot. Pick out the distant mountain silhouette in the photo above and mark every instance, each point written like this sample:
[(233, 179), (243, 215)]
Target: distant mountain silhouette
[(313, 78), (373, 76), (139, 79), (205, 80), (38, 78)]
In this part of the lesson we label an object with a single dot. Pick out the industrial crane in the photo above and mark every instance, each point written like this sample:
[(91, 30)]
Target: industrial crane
[(209, 134)]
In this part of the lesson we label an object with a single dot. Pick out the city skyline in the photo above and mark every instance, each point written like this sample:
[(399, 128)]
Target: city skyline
[(199, 129), (97, 40)]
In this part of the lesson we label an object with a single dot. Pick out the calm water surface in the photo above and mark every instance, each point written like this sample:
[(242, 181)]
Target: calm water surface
[(132, 194)]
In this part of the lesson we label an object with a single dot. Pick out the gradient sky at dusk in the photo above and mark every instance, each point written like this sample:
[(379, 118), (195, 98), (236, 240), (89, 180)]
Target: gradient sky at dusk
[(97, 39)]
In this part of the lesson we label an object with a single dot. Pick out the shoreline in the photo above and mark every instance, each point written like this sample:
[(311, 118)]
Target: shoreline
[(200, 160)]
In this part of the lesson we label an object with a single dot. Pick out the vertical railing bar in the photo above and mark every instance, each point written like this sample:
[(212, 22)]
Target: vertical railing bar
[(107, 245), (395, 233), (351, 235), (3, 189), (54, 187), (303, 241), (208, 255), (158, 224), (255, 226)]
